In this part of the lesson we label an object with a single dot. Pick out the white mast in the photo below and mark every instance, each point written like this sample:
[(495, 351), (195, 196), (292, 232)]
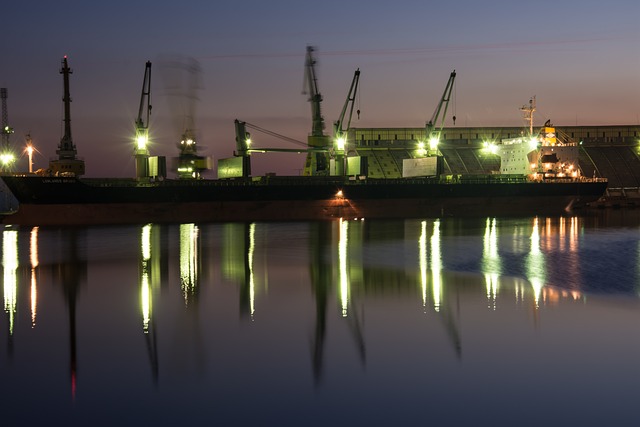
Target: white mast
[(528, 113)]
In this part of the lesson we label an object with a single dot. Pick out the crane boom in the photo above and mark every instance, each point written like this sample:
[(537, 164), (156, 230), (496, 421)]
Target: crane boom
[(317, 162), (315, 98), (141, 152), (338, 129), (144, 112), (145, 99), (434, 129)]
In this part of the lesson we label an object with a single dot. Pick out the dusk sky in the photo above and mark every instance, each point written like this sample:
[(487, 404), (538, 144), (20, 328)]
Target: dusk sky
[(580, 59)]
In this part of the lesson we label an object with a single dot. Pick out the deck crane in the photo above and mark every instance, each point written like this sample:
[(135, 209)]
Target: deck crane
[(191, 165), (6, 155), (240, 165), (339, 129), (67, 162), (435, 125), (243, 141), (317, 161), (142, 126)]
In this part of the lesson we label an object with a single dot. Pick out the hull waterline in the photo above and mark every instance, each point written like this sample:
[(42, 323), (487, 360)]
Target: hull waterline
[(71, 201)]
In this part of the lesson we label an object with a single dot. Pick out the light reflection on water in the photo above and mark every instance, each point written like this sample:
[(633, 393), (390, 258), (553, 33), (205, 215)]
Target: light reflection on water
[(369, 322)]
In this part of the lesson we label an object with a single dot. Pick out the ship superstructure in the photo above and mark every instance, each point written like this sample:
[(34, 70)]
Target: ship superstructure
[(540, 155)]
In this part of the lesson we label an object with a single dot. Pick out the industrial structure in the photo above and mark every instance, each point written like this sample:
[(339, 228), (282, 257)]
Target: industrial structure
[(433, 170), (189, 164), (67, 163), (609, 151), (7, 156)]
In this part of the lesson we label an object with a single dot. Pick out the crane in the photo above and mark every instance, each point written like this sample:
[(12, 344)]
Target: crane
[(339, 128), (339, 131), (66, 163), (6, 155), (240, 164), (317, 161), (182, 80), (243, 141), (142, 125), (435, 125), (315, 98)]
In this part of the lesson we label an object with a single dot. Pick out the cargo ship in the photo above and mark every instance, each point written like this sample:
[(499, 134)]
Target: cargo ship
[(73, 200), (334, 185)]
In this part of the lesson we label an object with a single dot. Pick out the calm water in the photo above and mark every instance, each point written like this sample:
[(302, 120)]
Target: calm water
[(528, 321)]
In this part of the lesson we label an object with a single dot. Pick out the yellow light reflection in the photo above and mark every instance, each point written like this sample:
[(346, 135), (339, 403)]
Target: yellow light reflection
[(535, 264), (33, 247), (33, 255), (519, 289), (252, 283), (145, 286), (562, 230), (145, 242), (34, 297), (9, 266), (569, 245), (436, 266), (188, 259), (422, 248), (574, 231), (342, 265), (491, 265), (145, 301)]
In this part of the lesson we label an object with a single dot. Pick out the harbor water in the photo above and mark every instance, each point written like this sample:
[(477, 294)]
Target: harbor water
[(443, 321)]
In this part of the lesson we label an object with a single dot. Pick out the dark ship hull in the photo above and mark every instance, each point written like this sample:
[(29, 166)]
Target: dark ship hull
[(82, 201)]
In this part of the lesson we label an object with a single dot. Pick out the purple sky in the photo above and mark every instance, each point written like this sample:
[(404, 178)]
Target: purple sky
[(580, 59)]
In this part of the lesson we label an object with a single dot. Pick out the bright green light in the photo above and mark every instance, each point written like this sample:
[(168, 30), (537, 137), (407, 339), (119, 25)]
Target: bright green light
[(250, 257), (533, 143), (490, 147), (189, 259), (433, 143), (341, 143), (145, 300), (145, 242), (422, 257), (141, 141), (436, 266), (343, 265), (10, 282), (145, 284), (7, 158), (421, 150)]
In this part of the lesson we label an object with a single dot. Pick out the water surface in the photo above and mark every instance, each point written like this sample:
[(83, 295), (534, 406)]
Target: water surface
[(494, 321)]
